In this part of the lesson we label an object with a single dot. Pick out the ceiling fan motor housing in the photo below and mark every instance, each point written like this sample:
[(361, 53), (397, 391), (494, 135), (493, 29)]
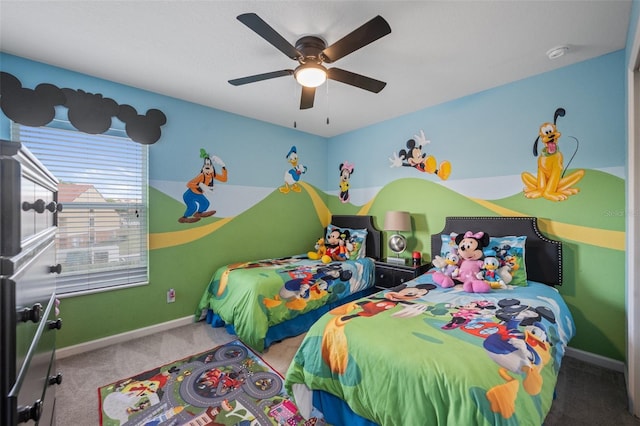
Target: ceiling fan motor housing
[(311, 47)]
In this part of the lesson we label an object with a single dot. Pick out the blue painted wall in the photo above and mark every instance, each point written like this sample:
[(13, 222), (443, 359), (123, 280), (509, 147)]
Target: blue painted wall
[(491, 133)]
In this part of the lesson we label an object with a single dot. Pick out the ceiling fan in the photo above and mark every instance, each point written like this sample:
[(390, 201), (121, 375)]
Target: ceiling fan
[(312, 52)]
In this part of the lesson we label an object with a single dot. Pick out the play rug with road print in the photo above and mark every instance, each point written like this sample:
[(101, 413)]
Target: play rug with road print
[(228, 385)]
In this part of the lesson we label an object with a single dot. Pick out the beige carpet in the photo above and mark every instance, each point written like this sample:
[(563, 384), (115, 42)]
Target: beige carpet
[(587, 395), (83, 374)]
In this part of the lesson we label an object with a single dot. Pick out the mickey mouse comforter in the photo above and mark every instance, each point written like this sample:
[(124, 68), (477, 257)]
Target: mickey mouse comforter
[(253, 296), (428, 355)]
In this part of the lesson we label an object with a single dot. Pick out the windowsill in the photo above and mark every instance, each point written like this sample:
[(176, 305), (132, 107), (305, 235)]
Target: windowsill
[(99, 290)]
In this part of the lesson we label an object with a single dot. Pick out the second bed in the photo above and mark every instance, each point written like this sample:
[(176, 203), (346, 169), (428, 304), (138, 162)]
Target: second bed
[(424, 354)]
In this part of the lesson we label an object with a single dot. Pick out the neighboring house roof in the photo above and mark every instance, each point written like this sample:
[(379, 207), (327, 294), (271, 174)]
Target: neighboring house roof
[(86, 219), (69, 192)]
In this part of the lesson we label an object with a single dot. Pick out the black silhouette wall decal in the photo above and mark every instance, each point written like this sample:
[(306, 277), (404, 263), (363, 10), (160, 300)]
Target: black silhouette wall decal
[(29, 107), (142, 128), (87, 112)]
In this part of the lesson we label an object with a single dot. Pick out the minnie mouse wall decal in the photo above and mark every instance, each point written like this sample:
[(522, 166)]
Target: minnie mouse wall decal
[(346, 170)]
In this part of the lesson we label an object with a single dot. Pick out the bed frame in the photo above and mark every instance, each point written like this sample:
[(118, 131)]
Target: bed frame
[(543, 256), (301, 323)]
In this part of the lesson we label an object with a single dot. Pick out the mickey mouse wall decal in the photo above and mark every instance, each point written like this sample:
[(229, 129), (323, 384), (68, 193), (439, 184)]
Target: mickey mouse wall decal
[(413, 156)]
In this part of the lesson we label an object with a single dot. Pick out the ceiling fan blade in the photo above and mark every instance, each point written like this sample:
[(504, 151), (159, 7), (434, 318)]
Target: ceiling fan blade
[(265, 31), (361, 81), (260, 77), (307, 97), (358, 38)]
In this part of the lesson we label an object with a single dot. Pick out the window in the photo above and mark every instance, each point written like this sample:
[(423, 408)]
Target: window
[(102, 235)]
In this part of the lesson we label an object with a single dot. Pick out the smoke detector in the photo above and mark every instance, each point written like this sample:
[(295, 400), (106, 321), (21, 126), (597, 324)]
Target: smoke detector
[(556, 52)]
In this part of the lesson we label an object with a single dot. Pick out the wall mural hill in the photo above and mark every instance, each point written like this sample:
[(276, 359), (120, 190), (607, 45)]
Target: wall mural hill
[(601, 220), (590, 224)]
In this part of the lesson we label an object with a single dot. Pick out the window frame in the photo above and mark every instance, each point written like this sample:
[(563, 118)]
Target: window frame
[(110, 237)]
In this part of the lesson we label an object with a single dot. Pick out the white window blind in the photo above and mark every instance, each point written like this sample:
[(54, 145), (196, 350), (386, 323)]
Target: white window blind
[(102, 229)]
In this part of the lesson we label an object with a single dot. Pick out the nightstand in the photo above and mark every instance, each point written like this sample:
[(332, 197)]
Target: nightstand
[(389, 275)]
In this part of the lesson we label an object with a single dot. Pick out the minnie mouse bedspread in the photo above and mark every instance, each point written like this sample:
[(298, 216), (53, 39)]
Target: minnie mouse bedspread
[(253, 296), (427, 355)]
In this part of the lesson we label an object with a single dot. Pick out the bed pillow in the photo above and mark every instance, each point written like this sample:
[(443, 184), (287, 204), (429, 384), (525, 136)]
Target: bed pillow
[(448, 242), (357, 237), (509, 250)]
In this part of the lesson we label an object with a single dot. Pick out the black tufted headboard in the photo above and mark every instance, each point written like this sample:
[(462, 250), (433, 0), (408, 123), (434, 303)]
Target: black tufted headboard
[(543, 256)]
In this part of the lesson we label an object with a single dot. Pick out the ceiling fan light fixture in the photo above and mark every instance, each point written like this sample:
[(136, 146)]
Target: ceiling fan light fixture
[(311, 74)]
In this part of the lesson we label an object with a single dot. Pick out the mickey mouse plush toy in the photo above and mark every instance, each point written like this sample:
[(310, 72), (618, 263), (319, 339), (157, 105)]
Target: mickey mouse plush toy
[(469, 272)]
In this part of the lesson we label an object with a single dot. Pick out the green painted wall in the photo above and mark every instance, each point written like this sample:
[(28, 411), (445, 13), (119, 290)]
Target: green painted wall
[(188, 267)]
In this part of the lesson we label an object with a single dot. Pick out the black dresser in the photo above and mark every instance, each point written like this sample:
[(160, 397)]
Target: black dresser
[(28, 321)]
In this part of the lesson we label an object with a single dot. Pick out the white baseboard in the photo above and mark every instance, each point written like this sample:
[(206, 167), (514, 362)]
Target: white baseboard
[(122, 337), (596, 359)]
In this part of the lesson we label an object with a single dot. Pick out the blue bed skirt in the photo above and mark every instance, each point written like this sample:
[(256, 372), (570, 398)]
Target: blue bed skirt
[(295, 326), (336, 411)]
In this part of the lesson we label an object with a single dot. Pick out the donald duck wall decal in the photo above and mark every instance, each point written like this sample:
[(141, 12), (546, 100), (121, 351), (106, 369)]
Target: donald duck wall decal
[(292, 176)]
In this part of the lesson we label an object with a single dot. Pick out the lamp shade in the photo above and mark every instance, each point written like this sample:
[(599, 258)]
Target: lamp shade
[(397, 221)]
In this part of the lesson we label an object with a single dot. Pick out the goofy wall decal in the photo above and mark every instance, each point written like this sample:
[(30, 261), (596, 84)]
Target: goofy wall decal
[(194, 197)]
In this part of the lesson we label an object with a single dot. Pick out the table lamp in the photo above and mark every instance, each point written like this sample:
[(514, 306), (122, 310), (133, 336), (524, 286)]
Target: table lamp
[(397, 221)]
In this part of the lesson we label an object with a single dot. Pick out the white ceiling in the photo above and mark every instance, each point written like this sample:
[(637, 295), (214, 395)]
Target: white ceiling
[(437, 50)]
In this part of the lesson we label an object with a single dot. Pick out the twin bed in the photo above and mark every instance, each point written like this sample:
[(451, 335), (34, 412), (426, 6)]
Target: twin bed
[(430, 355), (267, 300), (423, 354)]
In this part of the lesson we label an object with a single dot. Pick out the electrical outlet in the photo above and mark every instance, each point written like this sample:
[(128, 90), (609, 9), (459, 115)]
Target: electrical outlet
[(171, 296)]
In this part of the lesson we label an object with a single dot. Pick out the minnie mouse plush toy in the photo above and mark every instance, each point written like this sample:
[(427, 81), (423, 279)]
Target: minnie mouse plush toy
[(469, 272)]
